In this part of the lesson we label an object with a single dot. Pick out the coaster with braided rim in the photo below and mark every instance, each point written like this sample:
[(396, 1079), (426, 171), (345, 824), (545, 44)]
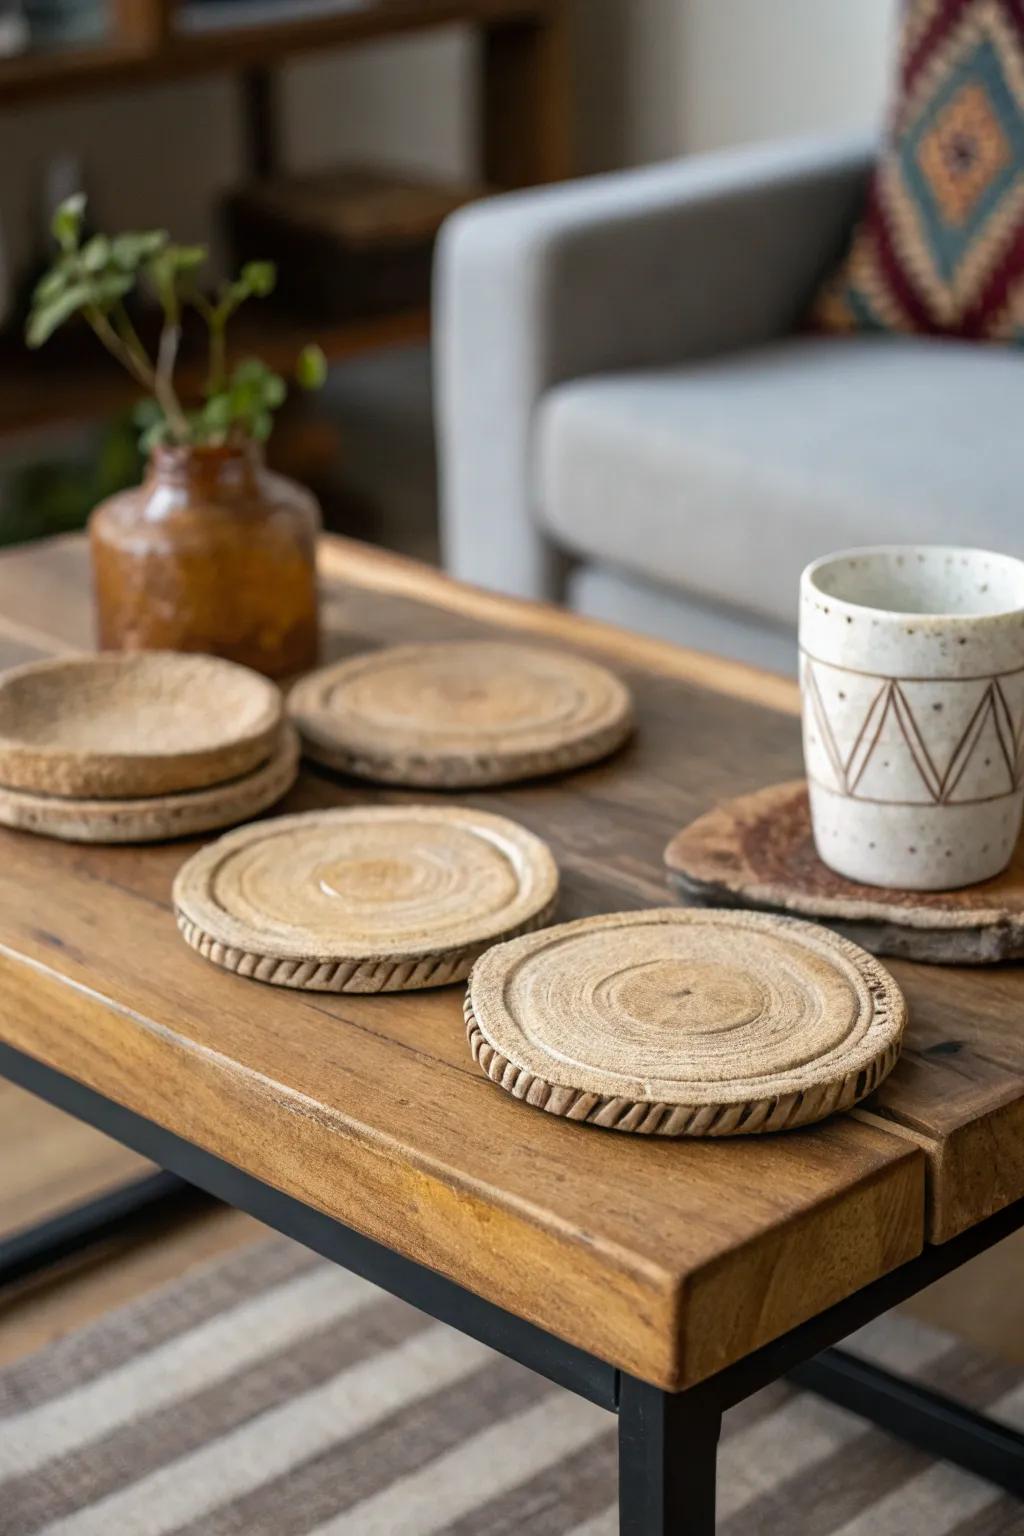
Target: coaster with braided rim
[(155, 819), (458, 714), (364, 899), (758, 851), (685, 1023)]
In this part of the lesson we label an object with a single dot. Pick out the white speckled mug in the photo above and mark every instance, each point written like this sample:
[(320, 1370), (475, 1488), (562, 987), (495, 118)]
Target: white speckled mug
[(912, 675)]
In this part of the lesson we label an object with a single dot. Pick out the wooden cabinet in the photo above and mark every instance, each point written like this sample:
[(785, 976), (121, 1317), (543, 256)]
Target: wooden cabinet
[(523, 127)]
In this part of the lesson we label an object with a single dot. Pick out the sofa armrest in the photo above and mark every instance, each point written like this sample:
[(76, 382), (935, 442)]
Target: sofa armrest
[(630, 270)]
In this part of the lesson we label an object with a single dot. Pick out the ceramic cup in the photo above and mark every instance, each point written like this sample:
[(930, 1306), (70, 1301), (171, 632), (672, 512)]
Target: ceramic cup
[(912, 679)]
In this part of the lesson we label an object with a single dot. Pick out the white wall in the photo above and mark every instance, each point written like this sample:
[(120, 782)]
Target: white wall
[(753, 70), (660, 77)]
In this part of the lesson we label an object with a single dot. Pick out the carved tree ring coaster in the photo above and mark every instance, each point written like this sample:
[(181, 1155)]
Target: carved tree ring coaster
[(685, 1023), (459, 714), (367, 899), (758, 851), (155, 819), (134, 724)]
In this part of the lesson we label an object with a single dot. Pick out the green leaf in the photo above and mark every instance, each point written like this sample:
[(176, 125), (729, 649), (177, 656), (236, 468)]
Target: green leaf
[(244, 399), (261, 426), (151, 423), (130, 250), (217, 414), (49, 317), (248, 385), (311, 367), (147, 413), (183, 258), (50, 284), (259, 278), (153, 436), (108, 289), (95, 254), (249, 371), (165, 271), (275, 390), (67, 221)]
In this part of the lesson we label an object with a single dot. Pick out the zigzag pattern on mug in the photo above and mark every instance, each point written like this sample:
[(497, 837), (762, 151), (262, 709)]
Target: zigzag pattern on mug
[(990, 727)]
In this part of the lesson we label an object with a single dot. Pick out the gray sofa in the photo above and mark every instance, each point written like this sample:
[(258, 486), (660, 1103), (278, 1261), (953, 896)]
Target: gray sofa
[(631, 423)]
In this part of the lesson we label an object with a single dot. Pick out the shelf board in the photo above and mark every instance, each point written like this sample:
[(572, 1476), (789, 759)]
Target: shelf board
[(37, 393), (249, 44), (193, 19)]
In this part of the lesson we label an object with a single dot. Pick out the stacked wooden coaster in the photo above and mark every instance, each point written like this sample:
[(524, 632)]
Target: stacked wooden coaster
[(367, 899), (139, 746), (685, 1023), (460, 714)]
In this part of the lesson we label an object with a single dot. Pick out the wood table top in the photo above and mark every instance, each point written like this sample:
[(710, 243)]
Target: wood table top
[(667, 1259)]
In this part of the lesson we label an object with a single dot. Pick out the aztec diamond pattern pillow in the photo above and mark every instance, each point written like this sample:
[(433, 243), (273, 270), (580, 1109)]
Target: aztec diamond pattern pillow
[(940, 248)]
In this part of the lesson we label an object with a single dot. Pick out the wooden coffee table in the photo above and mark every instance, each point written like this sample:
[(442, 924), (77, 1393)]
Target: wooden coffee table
[(663, 1280)]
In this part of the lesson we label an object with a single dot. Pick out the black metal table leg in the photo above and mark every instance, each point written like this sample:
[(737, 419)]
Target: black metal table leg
[(668, 1453), (667, 1442), (926, 1419), (25, 1252)]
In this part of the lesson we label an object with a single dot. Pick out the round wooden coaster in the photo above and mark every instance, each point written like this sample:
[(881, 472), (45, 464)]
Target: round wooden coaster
[(123, 725), (758, 851), (456, 714), (367, 899), (155, 819), (685, 1023)]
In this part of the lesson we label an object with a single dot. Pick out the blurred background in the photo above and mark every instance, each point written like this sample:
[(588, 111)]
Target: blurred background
[(334, 136)]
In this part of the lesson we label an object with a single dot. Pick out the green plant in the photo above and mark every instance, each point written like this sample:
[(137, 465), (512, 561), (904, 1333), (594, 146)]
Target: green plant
[(95, 280)]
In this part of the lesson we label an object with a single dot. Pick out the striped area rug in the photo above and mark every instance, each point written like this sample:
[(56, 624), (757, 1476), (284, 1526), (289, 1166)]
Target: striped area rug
[(274, 1395)]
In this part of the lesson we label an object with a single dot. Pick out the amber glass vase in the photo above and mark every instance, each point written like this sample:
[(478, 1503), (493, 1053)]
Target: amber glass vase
[(212, 552)]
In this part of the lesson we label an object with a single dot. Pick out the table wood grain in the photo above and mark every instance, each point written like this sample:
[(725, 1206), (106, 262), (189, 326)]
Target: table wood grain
[(668, 1259)]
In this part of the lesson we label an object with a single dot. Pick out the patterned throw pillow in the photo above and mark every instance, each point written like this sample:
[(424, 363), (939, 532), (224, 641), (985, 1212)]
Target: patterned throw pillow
[(941, 245)]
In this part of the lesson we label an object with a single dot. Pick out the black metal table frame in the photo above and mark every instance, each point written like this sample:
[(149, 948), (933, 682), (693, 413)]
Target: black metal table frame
[(667, 1441)]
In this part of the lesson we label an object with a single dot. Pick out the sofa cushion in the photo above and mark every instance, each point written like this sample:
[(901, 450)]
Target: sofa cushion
[(650, 609), (941, 245), (724, 478)]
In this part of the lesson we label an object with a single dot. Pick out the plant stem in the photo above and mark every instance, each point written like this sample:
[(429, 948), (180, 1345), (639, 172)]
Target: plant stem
[(122, 342), (137, 363), (218, 351), (167, 352), (129, 335), (216, 318), (163, 387)]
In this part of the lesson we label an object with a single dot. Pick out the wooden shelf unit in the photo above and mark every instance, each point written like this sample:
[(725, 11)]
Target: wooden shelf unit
[(37, 393), (524, 62), (523, 128)]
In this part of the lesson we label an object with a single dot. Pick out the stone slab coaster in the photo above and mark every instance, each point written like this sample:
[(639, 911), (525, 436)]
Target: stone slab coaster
[(458, 714), (685, 1023), (157, 818), (366, 899), (123, 725), (757, 851)]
